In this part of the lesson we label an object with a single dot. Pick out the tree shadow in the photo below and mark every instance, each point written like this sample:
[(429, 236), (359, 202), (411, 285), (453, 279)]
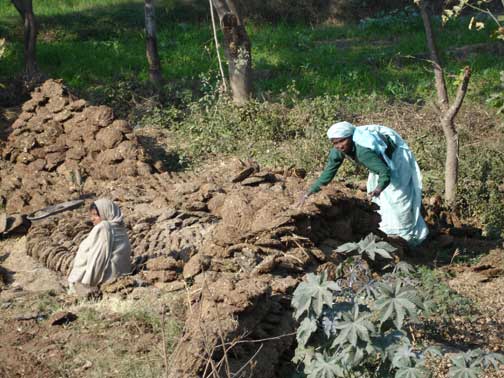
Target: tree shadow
[(461, 245), (6, 275), (171, 160), (103, 22)]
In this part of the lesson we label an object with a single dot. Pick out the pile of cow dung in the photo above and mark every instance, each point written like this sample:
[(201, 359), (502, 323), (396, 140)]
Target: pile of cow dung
[(231, 233), (56, 142), (242, 247)]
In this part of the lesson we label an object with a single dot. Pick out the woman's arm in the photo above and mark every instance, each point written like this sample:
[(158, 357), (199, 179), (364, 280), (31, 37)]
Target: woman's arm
[(333, 163), (375, 164)]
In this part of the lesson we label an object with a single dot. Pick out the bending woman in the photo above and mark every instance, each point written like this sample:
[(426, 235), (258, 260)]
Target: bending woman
[(105, 253), (394, 182)]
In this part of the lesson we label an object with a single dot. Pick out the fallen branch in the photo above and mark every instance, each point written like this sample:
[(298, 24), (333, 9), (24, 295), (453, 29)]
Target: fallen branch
[(249, 361)]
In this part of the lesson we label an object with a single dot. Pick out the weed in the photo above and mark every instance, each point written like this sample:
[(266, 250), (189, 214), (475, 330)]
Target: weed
[(121, 337), (443, 301), (89, 315), (47, 302)]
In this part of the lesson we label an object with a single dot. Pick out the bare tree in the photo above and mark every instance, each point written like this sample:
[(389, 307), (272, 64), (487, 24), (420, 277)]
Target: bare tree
[(25, 9), (447, 112), (237, 49), (155, 74)]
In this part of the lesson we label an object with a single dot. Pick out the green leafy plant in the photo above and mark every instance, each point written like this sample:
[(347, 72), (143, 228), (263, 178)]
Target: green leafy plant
[(353, 327), (352, 332), (313, 294), (325, 367), (471, 364), (371, 245), (396, 302), (464, 366), (349, 330)]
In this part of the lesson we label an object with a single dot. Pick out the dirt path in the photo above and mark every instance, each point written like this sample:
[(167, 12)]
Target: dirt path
[(25, 273)]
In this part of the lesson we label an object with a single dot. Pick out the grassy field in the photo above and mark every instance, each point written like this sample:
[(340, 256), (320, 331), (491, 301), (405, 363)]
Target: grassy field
[(94, 43)]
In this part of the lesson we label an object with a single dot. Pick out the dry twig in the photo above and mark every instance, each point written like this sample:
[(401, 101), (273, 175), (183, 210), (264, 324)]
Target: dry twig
[(165, 352)]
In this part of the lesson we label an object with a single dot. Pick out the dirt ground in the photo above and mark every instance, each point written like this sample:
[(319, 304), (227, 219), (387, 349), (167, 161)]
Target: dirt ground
[(482, 283), (118, 336), (216, 253), (111, 337)]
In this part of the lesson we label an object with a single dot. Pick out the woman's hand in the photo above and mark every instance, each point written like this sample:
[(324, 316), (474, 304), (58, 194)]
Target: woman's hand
[(374, 193), (302, 198)]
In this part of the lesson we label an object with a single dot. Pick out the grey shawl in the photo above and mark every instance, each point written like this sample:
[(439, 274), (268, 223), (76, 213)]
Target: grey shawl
[(105, 253)]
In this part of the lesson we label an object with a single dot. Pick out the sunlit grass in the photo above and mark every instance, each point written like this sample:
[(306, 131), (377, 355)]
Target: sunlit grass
[(89, 43)]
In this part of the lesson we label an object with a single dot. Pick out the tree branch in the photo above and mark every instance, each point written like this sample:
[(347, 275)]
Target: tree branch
[(487, 11), (436, 62), (18, 4), (459, 98)]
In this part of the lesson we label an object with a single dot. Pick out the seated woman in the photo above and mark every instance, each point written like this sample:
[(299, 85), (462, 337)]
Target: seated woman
[(105, 253)]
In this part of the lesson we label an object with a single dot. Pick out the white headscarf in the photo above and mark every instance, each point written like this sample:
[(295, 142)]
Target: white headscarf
[(108, 211), (341, 130), (368, 136)]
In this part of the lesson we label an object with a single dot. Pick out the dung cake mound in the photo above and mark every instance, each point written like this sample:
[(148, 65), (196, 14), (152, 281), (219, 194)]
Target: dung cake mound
[(56, 142), (230, 232), (241, 248)]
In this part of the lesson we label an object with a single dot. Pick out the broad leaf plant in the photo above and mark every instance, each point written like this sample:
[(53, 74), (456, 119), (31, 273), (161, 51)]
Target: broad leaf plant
[(362, 333)]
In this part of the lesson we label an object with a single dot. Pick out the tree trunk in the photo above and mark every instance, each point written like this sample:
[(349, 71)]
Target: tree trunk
[(25, 9), (237, 49), (452, 141), (155, 74), (447, 113), (452, 160)]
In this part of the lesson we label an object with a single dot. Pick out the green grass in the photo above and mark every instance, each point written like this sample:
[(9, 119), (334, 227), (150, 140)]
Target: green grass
[(95, 43)]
